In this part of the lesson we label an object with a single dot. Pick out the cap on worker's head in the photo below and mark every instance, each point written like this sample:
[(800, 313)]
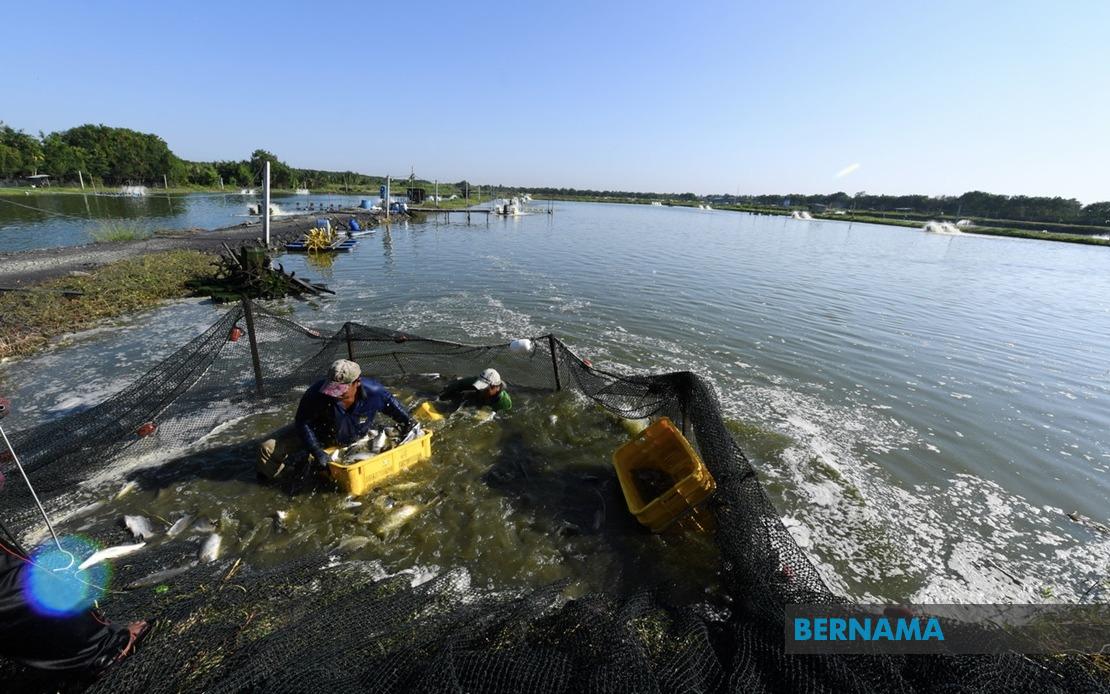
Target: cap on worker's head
[(489, 377), (343, 373)]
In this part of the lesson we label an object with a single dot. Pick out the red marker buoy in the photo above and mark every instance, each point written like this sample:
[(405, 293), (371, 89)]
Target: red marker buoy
[(147, 429), (235, 334)]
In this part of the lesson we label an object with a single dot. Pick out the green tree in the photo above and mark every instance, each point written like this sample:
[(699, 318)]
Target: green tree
[(281, 176), (62, 160), (20, 153)]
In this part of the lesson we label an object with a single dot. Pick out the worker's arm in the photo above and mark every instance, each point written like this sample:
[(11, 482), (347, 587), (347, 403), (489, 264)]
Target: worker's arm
[(310, 403), (388, 404), (455, 389)]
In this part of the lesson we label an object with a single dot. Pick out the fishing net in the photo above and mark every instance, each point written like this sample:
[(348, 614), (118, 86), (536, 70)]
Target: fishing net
[(322, 623)]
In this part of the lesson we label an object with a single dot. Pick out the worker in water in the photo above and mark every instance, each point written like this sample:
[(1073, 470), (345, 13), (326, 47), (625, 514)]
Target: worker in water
[(81, 643), (337, 410), (487, 390)]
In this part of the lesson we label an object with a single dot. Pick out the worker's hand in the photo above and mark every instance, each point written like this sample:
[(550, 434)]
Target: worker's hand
[(320, 459)]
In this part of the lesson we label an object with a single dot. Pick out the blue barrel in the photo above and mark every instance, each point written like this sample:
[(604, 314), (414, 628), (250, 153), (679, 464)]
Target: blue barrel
[(366, 204)]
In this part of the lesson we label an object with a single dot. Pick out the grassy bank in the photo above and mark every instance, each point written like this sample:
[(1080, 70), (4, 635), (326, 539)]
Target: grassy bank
[(31, 319), (368, 191), (869, 218)]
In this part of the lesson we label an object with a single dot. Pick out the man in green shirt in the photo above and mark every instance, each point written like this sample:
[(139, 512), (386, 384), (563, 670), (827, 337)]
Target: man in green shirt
[(488, 390)]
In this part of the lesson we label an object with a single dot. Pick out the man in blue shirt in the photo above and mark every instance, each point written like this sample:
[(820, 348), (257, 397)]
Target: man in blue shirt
[(337, 410)]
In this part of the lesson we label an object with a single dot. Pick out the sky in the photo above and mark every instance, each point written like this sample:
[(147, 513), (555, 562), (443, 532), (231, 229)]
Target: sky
[(706, 97)]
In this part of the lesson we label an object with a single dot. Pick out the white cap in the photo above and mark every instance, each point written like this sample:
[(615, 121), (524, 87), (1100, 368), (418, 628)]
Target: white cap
[(489, 377)]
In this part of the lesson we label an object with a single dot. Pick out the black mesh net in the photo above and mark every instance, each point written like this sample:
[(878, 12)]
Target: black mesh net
[(320, 623)]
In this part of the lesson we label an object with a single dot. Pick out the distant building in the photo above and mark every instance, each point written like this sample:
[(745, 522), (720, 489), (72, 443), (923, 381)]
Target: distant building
[(417, 195), (39, 180)]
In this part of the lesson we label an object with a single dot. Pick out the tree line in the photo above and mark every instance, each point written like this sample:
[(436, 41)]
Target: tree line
[(971, 204), (117, 156)]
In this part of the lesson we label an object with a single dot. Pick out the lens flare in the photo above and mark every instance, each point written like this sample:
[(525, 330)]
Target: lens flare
[(52, 584)]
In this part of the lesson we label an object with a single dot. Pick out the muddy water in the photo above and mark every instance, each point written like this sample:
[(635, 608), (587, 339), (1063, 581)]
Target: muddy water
[(925, 410), (523, 498)]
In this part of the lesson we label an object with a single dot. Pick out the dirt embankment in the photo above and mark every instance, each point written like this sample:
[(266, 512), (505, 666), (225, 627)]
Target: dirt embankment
[(26, 268)]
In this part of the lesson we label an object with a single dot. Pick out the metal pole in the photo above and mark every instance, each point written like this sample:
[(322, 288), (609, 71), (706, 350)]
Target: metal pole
[(265, 204), (15, 458), (437, 192), (81, 178), (350, 347), (165, 183), (554, 361), (249, 314), (387, 182)]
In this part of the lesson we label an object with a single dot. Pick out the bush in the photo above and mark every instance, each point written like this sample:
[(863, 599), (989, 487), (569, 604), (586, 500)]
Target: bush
[(118, 230)]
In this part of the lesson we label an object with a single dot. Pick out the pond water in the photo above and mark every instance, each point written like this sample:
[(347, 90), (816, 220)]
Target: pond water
[(66, 219), (924, 410)]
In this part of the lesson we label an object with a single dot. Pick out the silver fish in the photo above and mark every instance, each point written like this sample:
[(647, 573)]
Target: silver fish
[(399, 518), (351, 503), (210, 550), (352, 544), (159, 577), (87, 509), (110, 553), (139, 526), (127, 489), (179, 526), (204, 526)]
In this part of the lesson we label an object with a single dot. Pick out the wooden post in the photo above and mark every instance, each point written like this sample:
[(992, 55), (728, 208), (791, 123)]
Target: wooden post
[(81, 178), (350, 347), (249, 315), (266, 202), (165, 183), (386, 202), (437, 192), (554, 361)]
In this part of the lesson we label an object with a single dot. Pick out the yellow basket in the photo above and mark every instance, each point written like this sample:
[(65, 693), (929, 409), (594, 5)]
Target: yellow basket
[(360, 477), (663, 448)]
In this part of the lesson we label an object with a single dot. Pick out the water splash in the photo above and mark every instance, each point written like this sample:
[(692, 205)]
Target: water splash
[(941, 228)]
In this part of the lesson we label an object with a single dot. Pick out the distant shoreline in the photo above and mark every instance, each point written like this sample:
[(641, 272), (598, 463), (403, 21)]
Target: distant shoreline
[(868, 217)]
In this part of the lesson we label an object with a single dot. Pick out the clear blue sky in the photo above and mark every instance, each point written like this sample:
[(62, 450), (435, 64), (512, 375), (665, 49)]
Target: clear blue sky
[(938, 97)]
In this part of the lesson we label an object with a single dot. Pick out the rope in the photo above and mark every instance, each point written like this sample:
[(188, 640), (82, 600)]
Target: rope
[(39, 209), (45, 517)]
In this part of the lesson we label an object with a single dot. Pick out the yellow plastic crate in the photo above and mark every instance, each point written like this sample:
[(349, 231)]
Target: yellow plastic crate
[(663, 448), (360, 477)]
